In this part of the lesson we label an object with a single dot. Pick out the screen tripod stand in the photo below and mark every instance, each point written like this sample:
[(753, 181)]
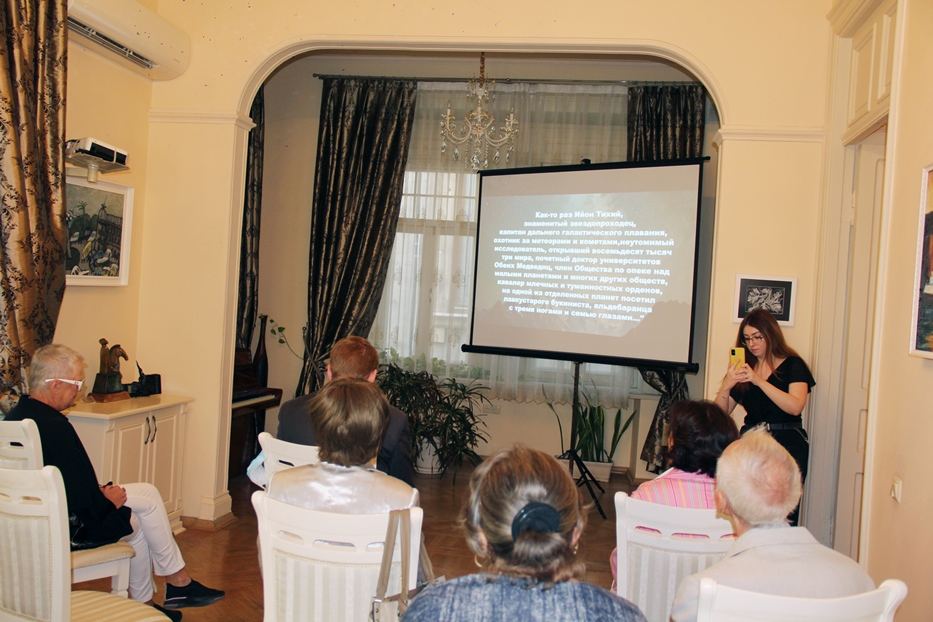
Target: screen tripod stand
[(586, 477)]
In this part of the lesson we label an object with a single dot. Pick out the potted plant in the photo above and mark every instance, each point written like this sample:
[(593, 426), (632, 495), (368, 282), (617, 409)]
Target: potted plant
[(457, 428), (591, 446), (445, 427)]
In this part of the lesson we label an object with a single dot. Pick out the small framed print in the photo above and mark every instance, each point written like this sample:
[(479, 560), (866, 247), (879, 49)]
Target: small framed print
[(774, 294), (921, 325), (99, 218)]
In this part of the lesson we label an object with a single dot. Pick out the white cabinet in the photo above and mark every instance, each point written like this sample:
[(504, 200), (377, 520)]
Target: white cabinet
[(137, 440)]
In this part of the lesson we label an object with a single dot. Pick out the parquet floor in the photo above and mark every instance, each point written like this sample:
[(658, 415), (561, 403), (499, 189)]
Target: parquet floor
[(228, 559)]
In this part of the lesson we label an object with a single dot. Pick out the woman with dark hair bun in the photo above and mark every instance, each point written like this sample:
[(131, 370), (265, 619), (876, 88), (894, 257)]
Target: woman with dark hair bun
[(523, 519), (699, 432)]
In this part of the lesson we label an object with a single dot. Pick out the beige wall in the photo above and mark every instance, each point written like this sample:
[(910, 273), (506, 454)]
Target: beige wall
[(767, 223), (900, 540), (292, 103), (110, 103), (769, 94)]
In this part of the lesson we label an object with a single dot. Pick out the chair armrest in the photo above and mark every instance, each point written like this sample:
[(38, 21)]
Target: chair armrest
[(101, 555)]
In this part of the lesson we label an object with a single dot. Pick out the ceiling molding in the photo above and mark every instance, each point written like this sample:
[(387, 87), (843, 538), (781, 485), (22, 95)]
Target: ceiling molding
[(200, 118), (771, 134), (645, 49)]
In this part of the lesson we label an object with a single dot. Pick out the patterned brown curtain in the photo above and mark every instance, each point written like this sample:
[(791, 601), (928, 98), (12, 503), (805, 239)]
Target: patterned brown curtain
[(665, 122), (248, 296), (362, 150), (32, 217)]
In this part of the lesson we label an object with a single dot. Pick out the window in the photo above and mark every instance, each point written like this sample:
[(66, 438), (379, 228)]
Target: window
[(424, 314)]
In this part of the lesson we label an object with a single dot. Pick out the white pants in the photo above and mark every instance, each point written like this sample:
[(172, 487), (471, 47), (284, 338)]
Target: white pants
[(152, 539)]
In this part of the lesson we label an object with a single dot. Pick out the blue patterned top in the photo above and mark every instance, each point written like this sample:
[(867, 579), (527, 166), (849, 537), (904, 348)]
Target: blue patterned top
[(491, 598)]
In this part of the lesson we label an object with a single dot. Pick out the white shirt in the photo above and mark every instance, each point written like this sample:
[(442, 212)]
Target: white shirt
[(779, 560), (346, 490)]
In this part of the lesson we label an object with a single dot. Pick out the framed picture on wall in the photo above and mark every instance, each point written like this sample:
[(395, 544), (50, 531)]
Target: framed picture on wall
[(775, 294), (99, 218), (921, 333)]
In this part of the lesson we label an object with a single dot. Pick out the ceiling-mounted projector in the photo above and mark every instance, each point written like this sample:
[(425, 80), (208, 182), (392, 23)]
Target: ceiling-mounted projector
[(95, 155)]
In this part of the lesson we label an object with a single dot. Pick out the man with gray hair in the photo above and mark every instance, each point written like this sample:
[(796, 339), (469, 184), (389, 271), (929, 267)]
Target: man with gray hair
[(757, 486), (101, 514)]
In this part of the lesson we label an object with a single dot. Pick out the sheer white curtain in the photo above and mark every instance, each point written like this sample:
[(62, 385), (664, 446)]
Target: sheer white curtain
[(424, 315)]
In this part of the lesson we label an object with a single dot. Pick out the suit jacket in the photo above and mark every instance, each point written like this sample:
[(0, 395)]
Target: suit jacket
[(394, 454), (780, 560), (62, 448)]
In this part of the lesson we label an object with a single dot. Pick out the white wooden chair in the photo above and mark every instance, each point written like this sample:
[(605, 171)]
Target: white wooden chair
[(19, 445), (658, 545), (34, 558), (21, 448), (284, 455), (719, 603), (321, 566)]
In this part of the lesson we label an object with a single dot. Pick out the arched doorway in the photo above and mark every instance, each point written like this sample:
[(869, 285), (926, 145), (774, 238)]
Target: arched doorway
[(283, 280)]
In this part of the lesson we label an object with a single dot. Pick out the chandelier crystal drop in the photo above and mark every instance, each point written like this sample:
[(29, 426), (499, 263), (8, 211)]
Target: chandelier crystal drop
[(478, 134)]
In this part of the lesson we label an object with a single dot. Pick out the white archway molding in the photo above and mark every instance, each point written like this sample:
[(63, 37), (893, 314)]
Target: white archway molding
[(631, 48), (215, 505), (642, 49)]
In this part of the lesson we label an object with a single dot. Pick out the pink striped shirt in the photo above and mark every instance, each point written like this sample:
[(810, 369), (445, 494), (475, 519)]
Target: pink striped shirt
[(674, 487), (680, 489)]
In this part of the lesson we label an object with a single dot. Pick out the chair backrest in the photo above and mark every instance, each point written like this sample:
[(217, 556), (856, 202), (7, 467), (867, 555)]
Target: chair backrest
[(658, 545), (284, 455), (324, 565), (20, 447), (720, 603), (35, 560)]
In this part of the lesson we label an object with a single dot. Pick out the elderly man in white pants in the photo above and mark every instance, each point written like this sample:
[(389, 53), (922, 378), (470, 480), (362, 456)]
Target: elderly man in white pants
[(757, 486), (102, 514), (152, 539)]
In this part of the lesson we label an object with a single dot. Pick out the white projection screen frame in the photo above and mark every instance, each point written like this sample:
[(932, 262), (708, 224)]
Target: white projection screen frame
[(590, 263)]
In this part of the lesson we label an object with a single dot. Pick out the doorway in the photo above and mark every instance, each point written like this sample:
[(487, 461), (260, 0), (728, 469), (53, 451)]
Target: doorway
[(865, 180)]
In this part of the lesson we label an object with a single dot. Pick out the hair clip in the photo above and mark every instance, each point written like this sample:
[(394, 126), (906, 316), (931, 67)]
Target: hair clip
[(535, 516)]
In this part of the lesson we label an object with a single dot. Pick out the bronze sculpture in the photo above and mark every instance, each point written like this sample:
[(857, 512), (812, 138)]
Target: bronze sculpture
[(108, 384)]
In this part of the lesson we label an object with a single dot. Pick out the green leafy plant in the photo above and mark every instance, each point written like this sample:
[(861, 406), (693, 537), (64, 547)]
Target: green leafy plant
[(590, 419), (457, 429), (414, 393), (442, 414), (278, 333)]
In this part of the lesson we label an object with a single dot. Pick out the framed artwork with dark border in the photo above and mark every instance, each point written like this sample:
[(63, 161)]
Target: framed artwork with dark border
[(99, 219), (921, 325), (773, 293)]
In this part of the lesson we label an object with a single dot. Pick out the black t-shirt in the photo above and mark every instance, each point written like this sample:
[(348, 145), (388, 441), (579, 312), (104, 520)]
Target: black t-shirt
[(759, 407), (62, 448)]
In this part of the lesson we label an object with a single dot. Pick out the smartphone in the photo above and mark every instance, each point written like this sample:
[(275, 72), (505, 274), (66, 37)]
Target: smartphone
[(736, 357)]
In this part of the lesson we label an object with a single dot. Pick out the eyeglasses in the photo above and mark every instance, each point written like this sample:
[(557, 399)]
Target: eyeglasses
[(753, 338), (77, 383)]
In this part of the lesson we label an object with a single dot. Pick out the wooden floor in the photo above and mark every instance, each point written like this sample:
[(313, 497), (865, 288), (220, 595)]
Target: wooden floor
[(227, 559)]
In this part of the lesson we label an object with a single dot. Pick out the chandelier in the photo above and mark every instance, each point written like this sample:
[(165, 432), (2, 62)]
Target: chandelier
[(478, 133)]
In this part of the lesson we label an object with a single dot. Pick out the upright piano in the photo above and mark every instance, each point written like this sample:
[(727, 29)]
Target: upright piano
[(248, 417)]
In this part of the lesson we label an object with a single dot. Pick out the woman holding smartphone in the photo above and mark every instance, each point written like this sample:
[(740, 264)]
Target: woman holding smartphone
[(772, 384)]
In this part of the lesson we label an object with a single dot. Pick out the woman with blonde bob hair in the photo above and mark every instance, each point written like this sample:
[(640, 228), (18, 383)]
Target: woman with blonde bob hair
[(523, 519)]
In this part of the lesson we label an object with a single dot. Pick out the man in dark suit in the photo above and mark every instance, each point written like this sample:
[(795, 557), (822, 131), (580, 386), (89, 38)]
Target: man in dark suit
[(353, 357)]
